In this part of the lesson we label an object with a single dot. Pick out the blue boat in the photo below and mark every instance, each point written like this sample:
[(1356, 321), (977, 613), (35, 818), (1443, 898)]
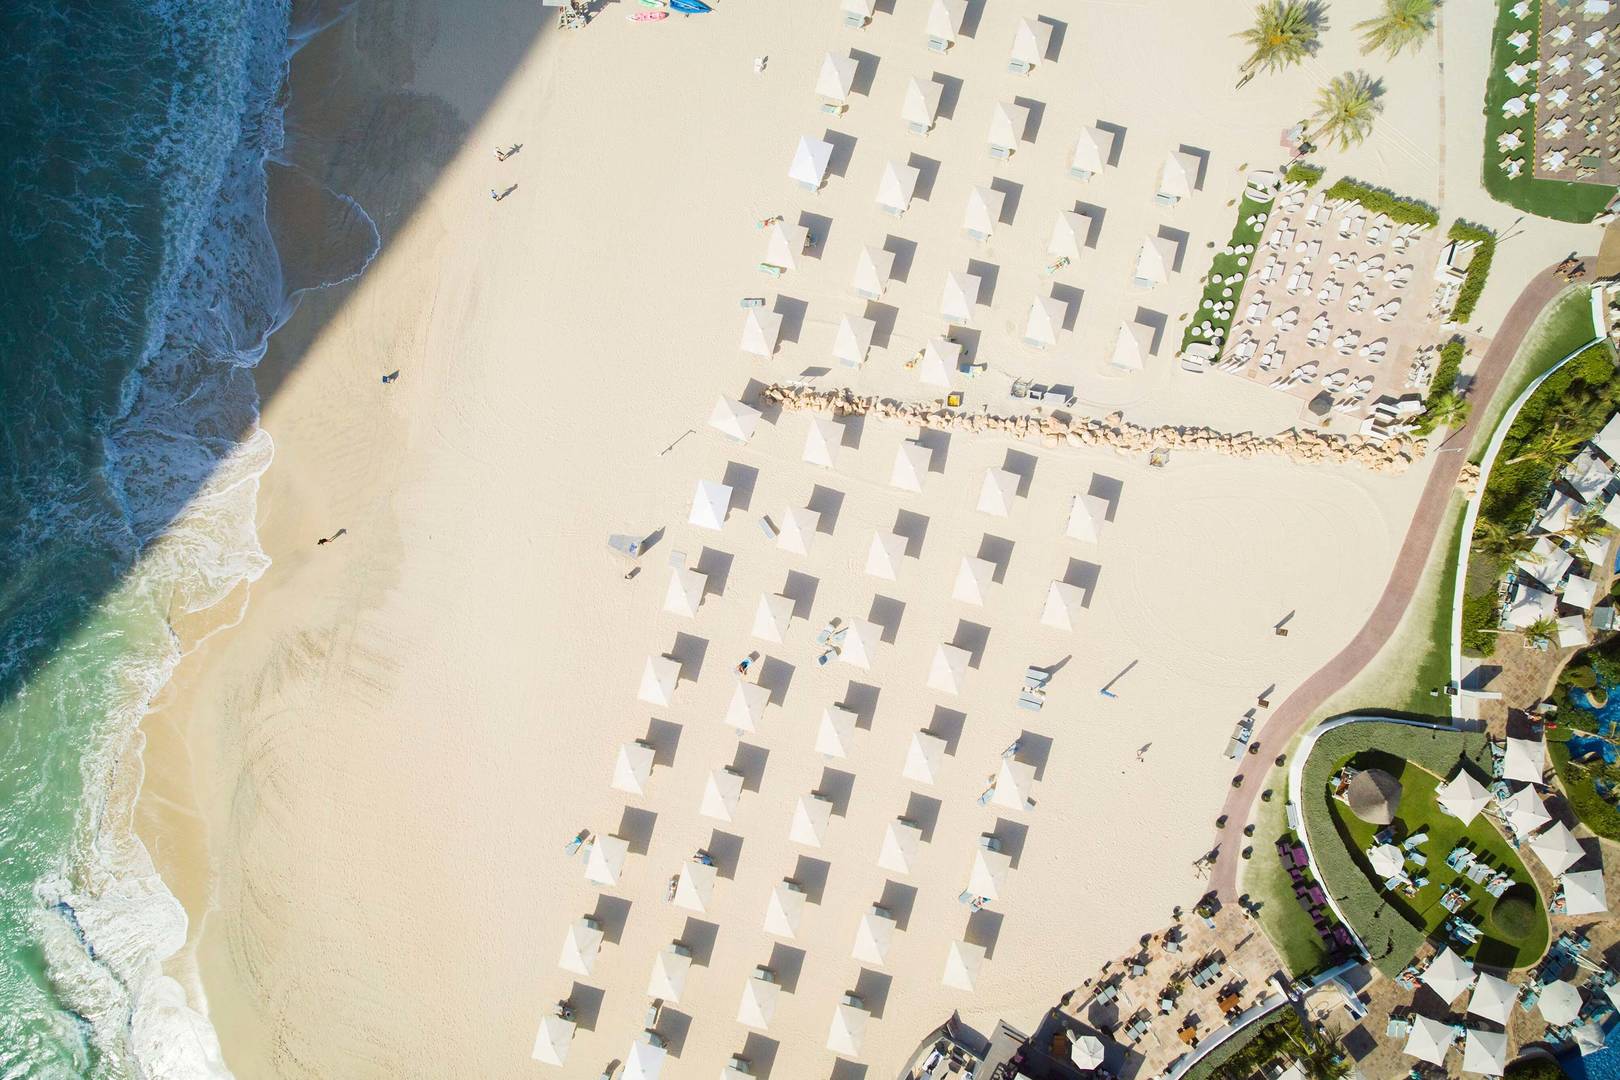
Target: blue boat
[(689, 7)]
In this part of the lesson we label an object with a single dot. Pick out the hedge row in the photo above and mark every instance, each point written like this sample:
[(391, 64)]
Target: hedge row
[(1478, 270), (1301, 172), (1379, 200)]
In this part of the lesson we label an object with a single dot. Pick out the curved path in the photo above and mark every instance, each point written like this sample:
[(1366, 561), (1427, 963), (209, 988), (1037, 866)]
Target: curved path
[(1286, 720)]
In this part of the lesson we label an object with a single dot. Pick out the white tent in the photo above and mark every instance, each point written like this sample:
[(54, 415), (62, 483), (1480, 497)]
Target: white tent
[(1029, 44), (1092, 149), (1448, 975), (810, 160), (1386, 860), (962, 962), (784, 910), (1462, 796), (1612, 992), (633, 768), (960, 295), (1064, 603), (772, 617), (1154, 261), (941, 359), (784, 244), (873, 266), (658, 680), (911, 463), (997, 492), (859, 644), (1572, 632), (580, 946), (1069, 234), (1584, 893), (552, 1041), (694, 886), (1087, 1052), (760, 330), (898, 851), (1525, 760), (973, 578), (811, 815), (721, 791), (670, 968), (857, 12), (989, 874), (920, 105), (1529, 605), (1045, 320), (1008, 119), (1429, 1040), (1545, 562), (1557, 848), (822, 440), (734, 419), (1493, 999), (606, 861), (1485, 1052), (924, 757), (747, 706), (1560, 1002), (883, 557), (796, 529), (1132, 347), (982, 211), (1608, 440), (847, 1030), (711, 503), (1013, 782), (852, 339), (873, 936), (685, 592), (645, 1061), (1087, 515), (836, 735), (1580, 592), (758, 1003), (896, 186), (1177, 176), (945, 22), (948, 669), (1524, 811), (1589, 1038), (836, 79)]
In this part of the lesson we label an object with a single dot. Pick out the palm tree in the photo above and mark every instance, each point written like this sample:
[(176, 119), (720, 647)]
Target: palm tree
[(1403, 23), (1495, 540), (1283, 33), (1345, 109), (1556, 445), (1540, 633), (1586, 526), (1448, 411)]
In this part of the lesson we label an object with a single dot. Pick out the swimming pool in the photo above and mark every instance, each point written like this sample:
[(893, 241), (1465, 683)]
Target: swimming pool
[(1601, 1064), (1608, 716)]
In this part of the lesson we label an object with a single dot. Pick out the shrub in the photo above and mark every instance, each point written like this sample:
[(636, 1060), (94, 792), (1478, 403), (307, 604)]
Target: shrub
[(1478, 620), (1478, 270), (1535, 1068), (1583, 677), (1595, 812), (1301, 172), (1513, 916), (1379, 200)]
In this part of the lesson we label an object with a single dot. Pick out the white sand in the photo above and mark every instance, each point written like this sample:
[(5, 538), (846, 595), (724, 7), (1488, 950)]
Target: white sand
[(386, 757)]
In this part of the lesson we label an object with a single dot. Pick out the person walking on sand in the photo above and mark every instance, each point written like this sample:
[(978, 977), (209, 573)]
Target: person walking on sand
[(493, 194)]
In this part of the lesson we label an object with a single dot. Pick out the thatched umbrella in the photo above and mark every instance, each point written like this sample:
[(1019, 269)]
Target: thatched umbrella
[(1374, 796)]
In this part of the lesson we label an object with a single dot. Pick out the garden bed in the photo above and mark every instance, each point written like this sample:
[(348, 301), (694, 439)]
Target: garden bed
[(1224, 266)]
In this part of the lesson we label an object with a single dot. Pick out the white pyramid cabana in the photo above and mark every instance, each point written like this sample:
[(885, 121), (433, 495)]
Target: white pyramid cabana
[(896, 186), (758, 1004), (911, 463), (747, 706), (1045, 320), (945, 22), (1584, 893), (898, 851), (1176, 176), (982, 211), (836, 79), (1008, 120), (1132, 346), (1087, 1052), (772, 617), (822, 440), (645, 1061), (873, 936), (1064, 603), (734, 420), (1557, 848), (973, 578), (669, 972), (873, 266), (711, 502), (1493, 999), (1069, 234), (1524, 811), (784, 244), (1462, 796), (810, 160), (997, 491), (857, 13), (924, 757), (1029, 44), (658, 680), (580, 947), (606, 861), (852, 340), (1484, 1052), (1154, 261), (960, 295), (836, 735), (1087, 516), (552, 1041), (684, 595), (989, 874), (1448, 975), (760, 331), (941, 359), (1525, 761), (1560, 1002), (694, 886), (721, 791), (633, 768), (948, 670), (860, 644), (1013, 782), (847, 1030), (1092, 149), (784, 910), (796, 529), (920, 106), (962, 962), (1429, 1040), (883, 557), (811, 815)]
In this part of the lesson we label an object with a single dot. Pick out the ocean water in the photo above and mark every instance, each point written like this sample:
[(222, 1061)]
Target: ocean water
[(138, 285)]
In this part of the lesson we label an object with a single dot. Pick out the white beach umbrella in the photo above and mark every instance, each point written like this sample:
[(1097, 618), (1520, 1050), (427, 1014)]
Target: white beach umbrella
[(945, 20), (997, 492), (859, 643), (645, 1061), (710, 504), (1132, 346), (747, 706), (1589, 1038), (873, 267), (734, 419), (919, 105), (811, 815), (772, 617), (1557, 848), (911, 463), (658, 680), (796, 529), (1572, 632), (1046, 314), (721, 791), (760, 331), (1580, 592), (822, 440), (973, 578), (873, 936), (989, 874), (1485, 1052), (784, 244), (1429, 1040), (1154, 261), (1612, 992), (836, 79), (784, 910), (1493, 999), (685, 592), (1008, 120), (1087, 1052), (553, 1040), (1584, 893), (669, 972), (810, 160), (694, 886), (963, 960), (1524, 811), (1525, 761), (941, 358), (1087, 515), (1031, 39), (1386, 860), (1177, 175), (982, 211), (1448, 975), (1092, 148), (633, 768), (580, 946), (883, 557), (896, 186), (847, 1030), (924, 756), (1069, 234), (758, 1003), (1462, 796), (852, 340), (1560, 1002), (1013, 782), (960, 295), (836, 735), (1529, 606), (898, 850), (606, 861), (949, 669), (1064, 603)]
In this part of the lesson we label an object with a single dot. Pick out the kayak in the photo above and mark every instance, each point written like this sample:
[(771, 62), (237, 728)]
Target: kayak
[(648, 16), (690, 7), (654, 3)]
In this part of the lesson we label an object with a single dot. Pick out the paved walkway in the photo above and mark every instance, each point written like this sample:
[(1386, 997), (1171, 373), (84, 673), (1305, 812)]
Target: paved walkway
[(1286, 720)]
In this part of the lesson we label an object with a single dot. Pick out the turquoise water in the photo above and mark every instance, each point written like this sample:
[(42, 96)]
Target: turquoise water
[(1601, 1064)]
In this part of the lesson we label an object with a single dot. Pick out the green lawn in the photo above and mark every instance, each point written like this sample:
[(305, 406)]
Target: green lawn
[(1225, 265), (1419, 813), (1434, 670), (1268, 886), (1549, 198), (1563, 326), (1595, 812)]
